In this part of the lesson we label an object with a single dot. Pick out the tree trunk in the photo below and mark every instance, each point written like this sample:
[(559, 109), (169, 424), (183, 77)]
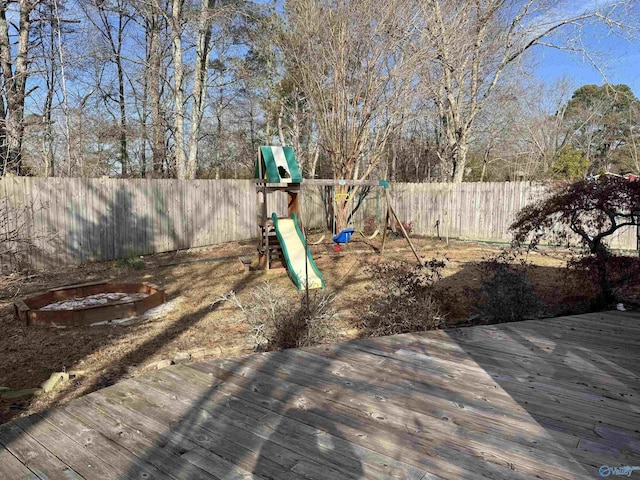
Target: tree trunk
[(158, 148), (218, 159), (178, 90), (296, 135), (341, 212), (116, 43), (203, 48), (14, 82), (124, 155), (280, 129), (267, 132), (314, 163), (459, 161), (605, 293), (394, 161), (144, 120), (48, 107)]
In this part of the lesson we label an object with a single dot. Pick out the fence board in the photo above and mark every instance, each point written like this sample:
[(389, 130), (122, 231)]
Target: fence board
[(9, 223), (104, 219)]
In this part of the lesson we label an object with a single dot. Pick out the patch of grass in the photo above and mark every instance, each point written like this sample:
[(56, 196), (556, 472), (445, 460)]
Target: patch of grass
[(132, 263)]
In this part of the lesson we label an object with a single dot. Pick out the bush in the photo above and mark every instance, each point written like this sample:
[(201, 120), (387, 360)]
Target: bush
[(408, 227), (506, 291), (132, 263), (621, 273), (370, 225), (570, 164), (277, 323), (593, 210), (18, 236), (408, 301)]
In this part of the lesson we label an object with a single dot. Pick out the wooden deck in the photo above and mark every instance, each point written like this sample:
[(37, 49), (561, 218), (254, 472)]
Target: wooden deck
[(554, 398)]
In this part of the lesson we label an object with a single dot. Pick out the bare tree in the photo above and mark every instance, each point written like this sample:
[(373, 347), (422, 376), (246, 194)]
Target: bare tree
[(47, 65), (110, 20), (201, 69), (154, 85), (288, 107), (518, 134), (17, 236), (154, 126), (14, 66), (186, 160), (473, 43), (352, 68), (630, 153), (540, 125)]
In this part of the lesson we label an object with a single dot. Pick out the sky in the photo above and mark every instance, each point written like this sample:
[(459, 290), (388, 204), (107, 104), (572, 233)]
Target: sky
[(617, 57)]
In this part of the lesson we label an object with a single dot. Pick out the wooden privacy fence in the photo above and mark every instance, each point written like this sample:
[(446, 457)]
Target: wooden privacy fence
[(469, 211), (70, 220), (62, 221), (477, 211)]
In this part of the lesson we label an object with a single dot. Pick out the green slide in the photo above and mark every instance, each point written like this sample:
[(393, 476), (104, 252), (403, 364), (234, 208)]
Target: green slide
[(300, 265)]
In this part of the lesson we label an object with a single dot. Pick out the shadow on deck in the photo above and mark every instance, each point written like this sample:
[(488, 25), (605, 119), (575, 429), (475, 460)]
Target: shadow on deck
[(554, 398)]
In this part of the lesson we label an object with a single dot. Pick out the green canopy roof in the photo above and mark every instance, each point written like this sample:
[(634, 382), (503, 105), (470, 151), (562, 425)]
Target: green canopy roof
[(278, 165)]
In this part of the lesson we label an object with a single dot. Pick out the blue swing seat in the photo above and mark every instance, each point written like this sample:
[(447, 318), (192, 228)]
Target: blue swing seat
[(344, 236)]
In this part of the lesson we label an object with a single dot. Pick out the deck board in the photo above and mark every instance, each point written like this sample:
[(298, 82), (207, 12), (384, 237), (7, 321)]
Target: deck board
[(31, 453), (147, 440), (553, 398), (11, 467), (79, 459)]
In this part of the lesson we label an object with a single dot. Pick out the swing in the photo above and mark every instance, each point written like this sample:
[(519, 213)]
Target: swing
[(370, 237), (345, 235)]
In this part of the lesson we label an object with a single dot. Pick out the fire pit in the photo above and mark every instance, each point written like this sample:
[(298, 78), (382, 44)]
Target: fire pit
[(89, 303)]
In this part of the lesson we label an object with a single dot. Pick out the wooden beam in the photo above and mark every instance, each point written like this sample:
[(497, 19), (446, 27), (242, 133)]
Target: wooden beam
[(273, 187), (386, 227), (404, 232), (329, 182)]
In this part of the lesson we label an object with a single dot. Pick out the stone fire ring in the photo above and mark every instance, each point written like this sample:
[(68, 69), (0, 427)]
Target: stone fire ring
[(29, 309)]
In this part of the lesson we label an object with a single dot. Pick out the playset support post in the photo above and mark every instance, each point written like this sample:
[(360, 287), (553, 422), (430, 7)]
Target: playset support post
[(270, 177), (402, 229)]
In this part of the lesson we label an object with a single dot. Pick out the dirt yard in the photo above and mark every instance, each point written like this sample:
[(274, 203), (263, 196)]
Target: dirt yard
[(194, 326)]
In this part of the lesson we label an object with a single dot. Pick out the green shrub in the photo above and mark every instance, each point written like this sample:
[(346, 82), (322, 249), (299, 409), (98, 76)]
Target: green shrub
[(571, 164)]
